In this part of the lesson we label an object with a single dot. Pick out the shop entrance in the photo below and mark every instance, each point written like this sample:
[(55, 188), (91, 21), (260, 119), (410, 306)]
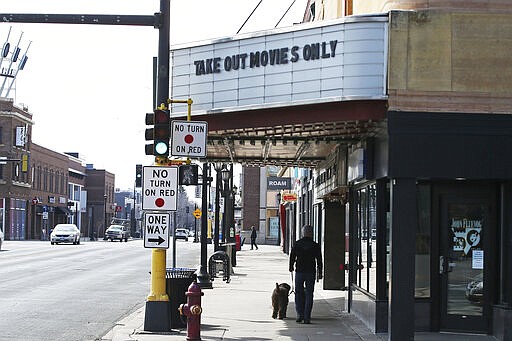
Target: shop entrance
[(466, 224)]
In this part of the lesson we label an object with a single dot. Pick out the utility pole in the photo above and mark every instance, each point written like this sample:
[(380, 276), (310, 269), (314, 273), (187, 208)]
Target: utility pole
[(157, 312)]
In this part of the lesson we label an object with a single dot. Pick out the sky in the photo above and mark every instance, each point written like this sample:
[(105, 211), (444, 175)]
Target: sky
[(89, 87)]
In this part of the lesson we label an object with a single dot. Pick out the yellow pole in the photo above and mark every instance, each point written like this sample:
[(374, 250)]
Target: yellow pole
[(158, 292)]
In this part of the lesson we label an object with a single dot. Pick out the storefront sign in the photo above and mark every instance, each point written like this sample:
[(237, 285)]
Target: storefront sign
[(278, 183), (289, 197)]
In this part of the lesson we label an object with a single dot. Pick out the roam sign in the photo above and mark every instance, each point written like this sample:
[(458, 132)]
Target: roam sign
[(160, 188)]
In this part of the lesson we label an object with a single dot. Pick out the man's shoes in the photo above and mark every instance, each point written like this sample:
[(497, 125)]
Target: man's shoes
[(307, 322), (299, 319)]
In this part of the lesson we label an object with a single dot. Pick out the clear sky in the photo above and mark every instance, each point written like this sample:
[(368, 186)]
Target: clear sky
[(89, 86)]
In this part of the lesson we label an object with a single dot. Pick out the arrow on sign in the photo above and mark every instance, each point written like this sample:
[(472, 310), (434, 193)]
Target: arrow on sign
[(158, 240)]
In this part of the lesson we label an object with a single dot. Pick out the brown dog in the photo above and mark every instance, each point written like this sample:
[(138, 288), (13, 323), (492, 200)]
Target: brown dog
[(280, 300)]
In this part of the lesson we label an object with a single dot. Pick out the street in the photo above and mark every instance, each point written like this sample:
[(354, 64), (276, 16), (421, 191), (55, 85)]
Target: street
[(75, 292)]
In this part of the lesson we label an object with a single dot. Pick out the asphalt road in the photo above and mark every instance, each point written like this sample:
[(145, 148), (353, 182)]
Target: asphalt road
[(75, 292)]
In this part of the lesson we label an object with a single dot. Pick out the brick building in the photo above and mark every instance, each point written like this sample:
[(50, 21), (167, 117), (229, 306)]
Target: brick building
[(40, 188)]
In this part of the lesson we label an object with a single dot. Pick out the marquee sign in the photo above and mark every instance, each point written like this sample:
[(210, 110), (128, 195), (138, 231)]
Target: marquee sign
[(263, 58), (338, 60)]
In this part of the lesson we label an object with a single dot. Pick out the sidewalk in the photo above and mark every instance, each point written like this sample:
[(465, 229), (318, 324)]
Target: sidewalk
[(241, 310)]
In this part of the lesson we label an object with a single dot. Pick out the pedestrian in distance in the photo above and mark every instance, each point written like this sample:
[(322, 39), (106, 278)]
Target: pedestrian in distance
[(254, 235), (306, 257)]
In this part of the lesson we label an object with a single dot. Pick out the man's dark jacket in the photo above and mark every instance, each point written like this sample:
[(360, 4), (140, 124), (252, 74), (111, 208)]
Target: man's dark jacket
[(304, 253)]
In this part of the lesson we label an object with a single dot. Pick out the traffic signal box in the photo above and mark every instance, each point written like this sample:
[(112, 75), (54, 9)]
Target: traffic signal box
[(138, 176), (188, 175), (160, 133)]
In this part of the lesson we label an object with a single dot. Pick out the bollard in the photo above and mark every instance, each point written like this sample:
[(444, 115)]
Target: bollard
[(192, 310)]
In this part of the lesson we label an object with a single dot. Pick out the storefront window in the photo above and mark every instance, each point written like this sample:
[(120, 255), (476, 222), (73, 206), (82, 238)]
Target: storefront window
[(422, 259), (366, 211)]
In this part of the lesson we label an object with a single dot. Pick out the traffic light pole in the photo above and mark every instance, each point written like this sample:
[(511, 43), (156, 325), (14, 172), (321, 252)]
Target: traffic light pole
[(157, 305)]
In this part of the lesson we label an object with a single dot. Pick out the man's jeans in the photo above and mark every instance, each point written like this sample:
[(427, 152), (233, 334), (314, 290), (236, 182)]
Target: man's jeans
[(304, 287)]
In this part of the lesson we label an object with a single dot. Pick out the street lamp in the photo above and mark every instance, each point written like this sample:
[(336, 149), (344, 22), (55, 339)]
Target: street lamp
[(105, 212), (224, 174), (218, 182), (203, 278)]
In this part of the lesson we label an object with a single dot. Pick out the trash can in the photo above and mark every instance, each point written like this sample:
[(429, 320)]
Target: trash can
[(177, 281)]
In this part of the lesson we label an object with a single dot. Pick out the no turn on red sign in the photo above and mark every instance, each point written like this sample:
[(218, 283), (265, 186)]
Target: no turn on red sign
[(188, 138), (160, 188)]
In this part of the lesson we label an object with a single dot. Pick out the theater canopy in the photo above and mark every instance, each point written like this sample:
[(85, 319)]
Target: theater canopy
[(287, 96)]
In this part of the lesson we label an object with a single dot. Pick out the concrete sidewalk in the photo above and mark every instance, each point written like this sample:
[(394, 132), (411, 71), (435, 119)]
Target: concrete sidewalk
[(241, 310)]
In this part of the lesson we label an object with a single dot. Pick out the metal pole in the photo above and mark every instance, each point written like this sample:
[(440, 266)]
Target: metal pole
[(104, 213), (218, 184), (156, 317), (203, 278), (195, 225)]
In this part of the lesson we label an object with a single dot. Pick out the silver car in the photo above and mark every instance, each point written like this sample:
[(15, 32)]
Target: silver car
[(65, 233)]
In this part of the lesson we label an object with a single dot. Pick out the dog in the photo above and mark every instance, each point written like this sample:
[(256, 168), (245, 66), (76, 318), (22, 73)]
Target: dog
[(280, 300)]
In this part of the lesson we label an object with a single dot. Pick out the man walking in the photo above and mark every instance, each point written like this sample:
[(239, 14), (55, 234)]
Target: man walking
[(253, 238), (307, 256)]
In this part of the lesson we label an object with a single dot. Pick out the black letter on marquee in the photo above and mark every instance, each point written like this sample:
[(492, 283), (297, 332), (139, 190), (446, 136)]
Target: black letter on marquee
[(243, 56), (315, 51), (306, 52), (264, 58), (284, 55), (208, 66), (295, 55), (216, 64), (254, 59), (227, 63), (199, 67), (333, 44)]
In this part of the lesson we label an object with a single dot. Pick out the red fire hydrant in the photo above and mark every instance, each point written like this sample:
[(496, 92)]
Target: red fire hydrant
[(192, 310)]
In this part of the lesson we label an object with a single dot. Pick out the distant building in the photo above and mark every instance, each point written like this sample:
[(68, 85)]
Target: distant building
[(40, 188)]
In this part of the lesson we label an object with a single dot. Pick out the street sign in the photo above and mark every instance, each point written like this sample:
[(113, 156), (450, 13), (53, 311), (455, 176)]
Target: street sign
[(188, 138), (156, 230), (159, 188), (197, 213)]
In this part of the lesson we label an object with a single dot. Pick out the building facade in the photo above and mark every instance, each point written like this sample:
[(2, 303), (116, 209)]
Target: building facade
[(398, 115)]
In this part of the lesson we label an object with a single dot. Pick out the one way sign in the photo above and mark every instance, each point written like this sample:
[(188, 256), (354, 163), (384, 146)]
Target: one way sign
[(156, 230)]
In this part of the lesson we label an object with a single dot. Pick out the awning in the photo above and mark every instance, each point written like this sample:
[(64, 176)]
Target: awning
[(63, 210)]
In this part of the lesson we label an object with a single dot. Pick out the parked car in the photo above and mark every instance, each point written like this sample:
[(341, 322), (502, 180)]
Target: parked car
[(65, 233), (475, 290), (181, 234), (117, 232)]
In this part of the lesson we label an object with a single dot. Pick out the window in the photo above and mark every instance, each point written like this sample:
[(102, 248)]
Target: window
[(366, 228), (52, 181), (45, 179)]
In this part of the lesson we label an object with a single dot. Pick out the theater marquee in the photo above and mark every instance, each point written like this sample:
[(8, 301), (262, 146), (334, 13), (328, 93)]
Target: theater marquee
[(325, 61)]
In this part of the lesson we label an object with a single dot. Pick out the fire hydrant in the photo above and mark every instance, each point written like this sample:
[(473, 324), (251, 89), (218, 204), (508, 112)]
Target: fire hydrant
[(192, 310)]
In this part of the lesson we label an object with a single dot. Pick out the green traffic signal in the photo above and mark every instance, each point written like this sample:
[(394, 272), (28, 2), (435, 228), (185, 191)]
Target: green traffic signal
[(160, 133)]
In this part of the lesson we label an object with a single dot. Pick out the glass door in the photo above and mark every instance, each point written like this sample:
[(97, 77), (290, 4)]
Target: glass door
[(464, 226)]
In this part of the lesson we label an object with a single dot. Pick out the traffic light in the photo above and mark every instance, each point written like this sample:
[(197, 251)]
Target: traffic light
[(188, 175), (160, 133), (138, 175)]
